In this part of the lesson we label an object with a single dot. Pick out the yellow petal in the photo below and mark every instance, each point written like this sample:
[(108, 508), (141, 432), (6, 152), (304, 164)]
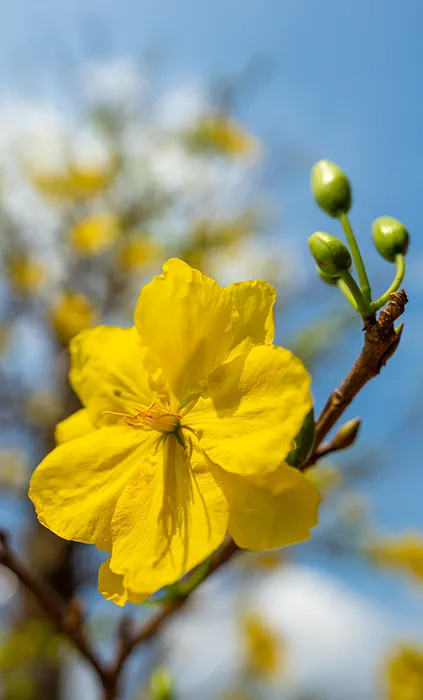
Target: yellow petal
[(171, 516), (77, 425), (253, 409), (254, 302), (112, 587), (108, 361), (76, 487), (276, 510), (188, 322)]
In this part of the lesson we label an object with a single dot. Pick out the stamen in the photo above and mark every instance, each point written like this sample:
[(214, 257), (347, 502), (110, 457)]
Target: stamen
[(155, 417)]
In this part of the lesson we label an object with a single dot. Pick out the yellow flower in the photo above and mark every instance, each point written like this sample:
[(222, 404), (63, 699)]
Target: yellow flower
[(404, 674), (55, 184), (25, 275), (220, 133), (138, 251), (188, 415), (71, 313), (95, 233), (73, 181), (262, 647), (91, 180), (403, 552)]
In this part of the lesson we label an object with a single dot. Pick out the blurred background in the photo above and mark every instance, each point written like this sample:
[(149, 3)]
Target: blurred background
[(131, 132)]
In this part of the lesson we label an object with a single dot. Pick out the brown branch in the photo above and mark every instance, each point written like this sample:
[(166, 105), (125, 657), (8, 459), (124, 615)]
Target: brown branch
[(380, 343)]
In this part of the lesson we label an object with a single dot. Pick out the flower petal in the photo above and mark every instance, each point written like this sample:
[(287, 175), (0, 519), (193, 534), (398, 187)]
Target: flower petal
[(253, 409), (187, 320), (254, 302), (76, 487), (106, 361), (274, 511), (170, 517), (75, 426), (112, 587)]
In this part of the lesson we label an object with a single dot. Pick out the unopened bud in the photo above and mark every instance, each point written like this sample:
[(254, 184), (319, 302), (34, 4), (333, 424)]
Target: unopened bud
[(304, 442), (331, 188), (330, 254), (346, 435), (390, 237), (161, 684)]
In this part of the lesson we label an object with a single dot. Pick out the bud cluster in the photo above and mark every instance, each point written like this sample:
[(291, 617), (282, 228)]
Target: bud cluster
[(332, 191)]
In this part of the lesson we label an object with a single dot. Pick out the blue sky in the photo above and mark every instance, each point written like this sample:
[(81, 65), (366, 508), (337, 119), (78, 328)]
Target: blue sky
[(346, 83)]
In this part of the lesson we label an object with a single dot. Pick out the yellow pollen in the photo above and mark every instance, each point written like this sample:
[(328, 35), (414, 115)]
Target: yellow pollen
[(156, 417)]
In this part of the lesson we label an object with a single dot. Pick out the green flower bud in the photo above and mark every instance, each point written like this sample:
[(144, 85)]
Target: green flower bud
[(330, 254), (331, 188), (390, 237), (328, 279), (304, 442), (346, 435), (161, 684)]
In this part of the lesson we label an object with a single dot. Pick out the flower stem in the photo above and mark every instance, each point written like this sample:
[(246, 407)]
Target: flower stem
[(358, 260), (362, 306), (400, 263), (343, 287)]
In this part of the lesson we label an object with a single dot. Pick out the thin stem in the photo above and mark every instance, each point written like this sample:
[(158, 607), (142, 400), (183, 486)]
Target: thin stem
[(358, 260), (362, 306), (400, 263), (346, 292)]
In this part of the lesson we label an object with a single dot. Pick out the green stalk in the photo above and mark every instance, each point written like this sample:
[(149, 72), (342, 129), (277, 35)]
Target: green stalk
[(362, 305), (346, 292), (400, 263), (358, 260)]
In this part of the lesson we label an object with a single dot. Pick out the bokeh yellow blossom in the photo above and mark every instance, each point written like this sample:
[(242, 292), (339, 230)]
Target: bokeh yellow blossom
[(89, 180), (138, 251), (25, 274), (401, 552), (20, 650), (187, 417), (71, 313), (95, 234), (43, 409), (326, 477), (262, 647), (221, 133), (404, 674), (14, 468), (54, 184), (5, 334), (72, 181)]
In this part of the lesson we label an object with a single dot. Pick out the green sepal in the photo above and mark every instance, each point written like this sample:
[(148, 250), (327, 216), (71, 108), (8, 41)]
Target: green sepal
[(304, 442)]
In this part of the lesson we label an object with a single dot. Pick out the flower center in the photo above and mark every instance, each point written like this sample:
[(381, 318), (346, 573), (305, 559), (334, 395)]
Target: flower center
[(156, 417)]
